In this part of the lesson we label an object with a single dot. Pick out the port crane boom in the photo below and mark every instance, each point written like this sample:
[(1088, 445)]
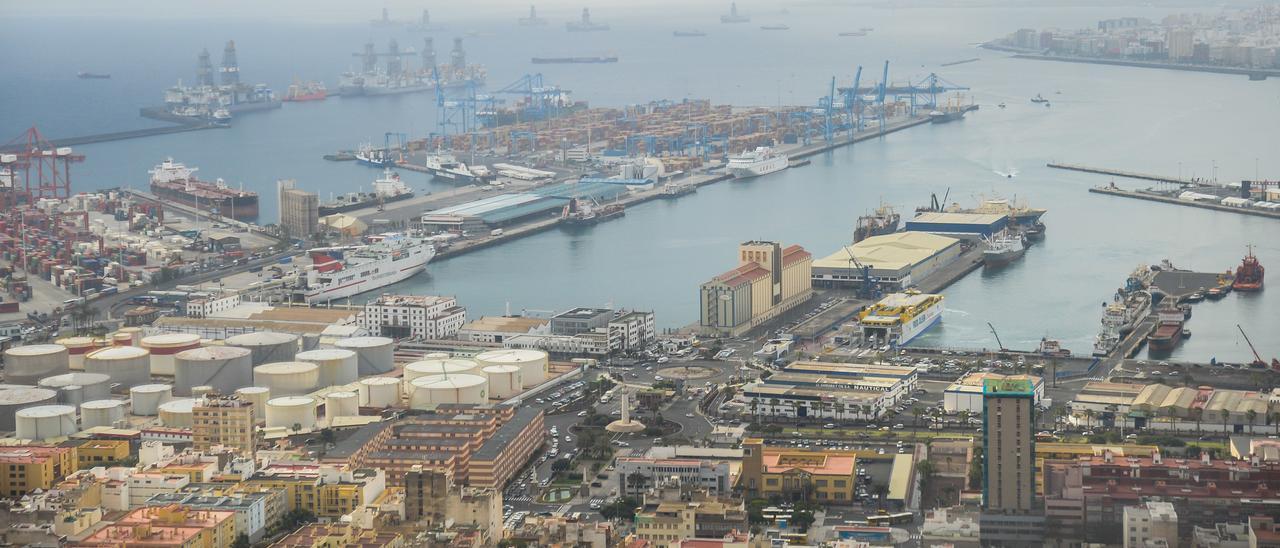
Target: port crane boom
[(997, 335), (1257, 360)]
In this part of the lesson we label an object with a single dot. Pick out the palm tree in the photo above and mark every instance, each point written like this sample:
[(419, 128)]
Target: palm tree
[(916, 411), (1197, 414), (866, 412), (773, 403), (1088, 416), (1226, 416), (1252, 416), (1275, 421), (840, 409)]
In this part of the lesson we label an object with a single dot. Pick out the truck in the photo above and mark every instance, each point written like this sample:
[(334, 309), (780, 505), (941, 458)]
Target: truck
[(495, 232)]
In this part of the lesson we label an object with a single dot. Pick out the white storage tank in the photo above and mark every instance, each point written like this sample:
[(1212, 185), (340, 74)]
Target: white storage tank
[(77, 347), (374, 355), (164, 346), (134, 333), (101, 413), (45, 422), (290, 410), (267, 346), (439, 366), (437, 356), (258, 396), (28, 364), (310, 341), (225, 368), (122, 339), (504, 381), (145, 400), (177, 413), (77, 388), (532, 363), (202, 391), (337, 365), (13, 399), (126, 365), (287, 378), (379, 392), (341, 404), (437, 389)]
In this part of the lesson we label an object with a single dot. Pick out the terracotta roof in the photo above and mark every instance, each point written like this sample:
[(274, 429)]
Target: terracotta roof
[(825, 464), (794, 253), (746, 273)]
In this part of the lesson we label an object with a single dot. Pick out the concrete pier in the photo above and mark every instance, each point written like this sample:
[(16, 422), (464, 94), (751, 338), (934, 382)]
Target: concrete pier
[(1111, 191), (1125, 174)]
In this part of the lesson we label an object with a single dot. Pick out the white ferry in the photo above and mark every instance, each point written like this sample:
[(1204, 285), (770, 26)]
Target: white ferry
[(900, 317), (340, 272), (754, 163)]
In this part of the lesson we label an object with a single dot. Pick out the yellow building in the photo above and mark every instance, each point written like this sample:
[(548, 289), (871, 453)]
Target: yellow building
[(768, 281), (29, 467), (665, 524), (1073, 451), (91, 453), (172, 526), (331, 535), (223, 420), (327, 494), (896, 260), (798, 474)]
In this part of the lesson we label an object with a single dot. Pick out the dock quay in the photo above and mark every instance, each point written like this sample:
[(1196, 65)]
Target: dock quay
[(1252, 73), (195, 213), (1154, 197), (1125, 174)]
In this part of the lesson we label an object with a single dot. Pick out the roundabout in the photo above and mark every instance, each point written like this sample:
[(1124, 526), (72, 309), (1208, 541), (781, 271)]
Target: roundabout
[(688, 372)]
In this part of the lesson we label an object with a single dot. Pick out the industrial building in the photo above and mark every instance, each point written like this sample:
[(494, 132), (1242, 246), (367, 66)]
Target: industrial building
[(413, 316), (495, 329), (580, 320), (1162, 407), (830, 390), (768, 281), (961, 225), (505, 209), (965, 394), (895, 261), (299, 211)]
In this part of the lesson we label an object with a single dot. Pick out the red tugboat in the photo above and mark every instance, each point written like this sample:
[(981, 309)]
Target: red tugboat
[(1168, 331), (1249, 274)]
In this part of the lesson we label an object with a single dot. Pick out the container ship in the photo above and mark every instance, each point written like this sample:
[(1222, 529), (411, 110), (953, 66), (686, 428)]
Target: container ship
[(884, 221), (340, 272), (754, 163), (1168, 331), (1249, 274), (389, 188), (174, 181), (310, 91), (944, 116), (900, 317), (573, 60)]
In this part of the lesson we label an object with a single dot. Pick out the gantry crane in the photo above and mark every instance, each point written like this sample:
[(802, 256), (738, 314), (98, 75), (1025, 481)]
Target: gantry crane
[(34, 168)]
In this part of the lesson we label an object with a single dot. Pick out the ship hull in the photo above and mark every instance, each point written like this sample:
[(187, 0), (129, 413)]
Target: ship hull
[(307, 97), (944, 117), (1247, 286), (241, 208), (1001, 259), (772, 165), (451, 176), (331, 209), (397, 271), (863, 233)]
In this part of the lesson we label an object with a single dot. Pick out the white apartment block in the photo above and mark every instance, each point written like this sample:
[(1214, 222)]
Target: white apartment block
[(203, 308), (413, 317)]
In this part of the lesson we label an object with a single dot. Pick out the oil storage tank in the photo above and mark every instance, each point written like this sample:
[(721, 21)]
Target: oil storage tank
[(504, 381), (258, 396), (290, 410), (225, 368), (341, 404), (126, 365), (145, 400), (374, 355), (439, 366), (28, 364), (532, 363), (177, 413), (101, 413), (13, 399), (164, 346), (122, 339), (337, 365), (77, 347), (44, 422), (437, 389), (267, 346), (379, 392), (77, 388), (287, 378), (134, 333)]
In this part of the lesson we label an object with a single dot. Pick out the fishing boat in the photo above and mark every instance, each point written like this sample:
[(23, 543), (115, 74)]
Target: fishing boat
[(883, 221)]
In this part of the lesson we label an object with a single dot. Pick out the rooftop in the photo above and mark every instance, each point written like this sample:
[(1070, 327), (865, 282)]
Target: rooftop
[(506, 433), (583, 313), (889, 251), (411, 300), (505, 324), (1008, 387)]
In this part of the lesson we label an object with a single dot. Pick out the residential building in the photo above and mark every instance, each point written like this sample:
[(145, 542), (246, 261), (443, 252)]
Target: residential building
[(965, 394), (768, 281), (664, 524), (299, 211), (1221, 535), (322, 490), (91, 453), (339, 535), (1263, 532), (206, 307), (1180, 44), (413, 317), (227, 421), (31, 467), (577, 531), (1008, 446), (250, 508), (631, 331), (432, 497), (1149, 523), (167, 526), (789, 472), (711, 476)]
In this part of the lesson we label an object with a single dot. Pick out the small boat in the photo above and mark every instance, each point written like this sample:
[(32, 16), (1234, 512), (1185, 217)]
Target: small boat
[(1001, 105), (1195, 297), (1039, 99), (1215, 293), (775, 27), (688, 33), (92, 75), (854, 33)]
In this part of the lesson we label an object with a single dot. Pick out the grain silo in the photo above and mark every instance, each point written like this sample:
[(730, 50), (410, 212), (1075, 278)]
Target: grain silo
[(436, 389), (101, 413), (379, 392), (532, 363), (504, 381), (225, 368), (177, 413), (28, 364), (45, 422), (341, 404), (126, 365), (164, 346), (145, 400), (77, 347), (292, 410), (76, 388), (287, 378), (374, 355), (337, 365), (267, 346), (13, 399)]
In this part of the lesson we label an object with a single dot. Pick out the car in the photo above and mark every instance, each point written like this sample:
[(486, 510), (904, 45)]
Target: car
[(688, 415), (616, 412), (582, 413), (568, 439), (657, 377), (899, 426)]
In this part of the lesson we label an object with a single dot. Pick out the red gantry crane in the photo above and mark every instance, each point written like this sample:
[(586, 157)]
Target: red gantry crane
[(32, 167)]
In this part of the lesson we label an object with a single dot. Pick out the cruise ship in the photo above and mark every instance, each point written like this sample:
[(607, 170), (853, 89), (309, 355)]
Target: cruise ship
[(340, 272), (754, 163), (900, 317), (172, 180), (389, 188)]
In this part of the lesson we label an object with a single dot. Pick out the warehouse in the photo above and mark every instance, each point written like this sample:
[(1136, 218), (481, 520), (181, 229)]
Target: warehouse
[(966, 393), (830, 390), (896, 260), (505, 209), (964, 225)]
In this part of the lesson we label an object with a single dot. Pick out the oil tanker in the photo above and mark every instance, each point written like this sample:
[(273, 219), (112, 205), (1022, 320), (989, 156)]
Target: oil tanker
[(172, 180)]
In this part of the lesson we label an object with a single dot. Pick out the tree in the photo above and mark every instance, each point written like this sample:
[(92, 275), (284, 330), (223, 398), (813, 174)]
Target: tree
[(560, 465), (623, 509), (1226, 416), (297, 427), (916, 411), (802, 518), (327, 436), (242, 541), (636, 481), (926, 470), (1252, 416), (880, 490), (976, 469)]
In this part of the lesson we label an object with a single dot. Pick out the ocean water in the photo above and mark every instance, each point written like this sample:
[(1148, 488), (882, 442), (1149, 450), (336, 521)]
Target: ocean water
[(655, 257)]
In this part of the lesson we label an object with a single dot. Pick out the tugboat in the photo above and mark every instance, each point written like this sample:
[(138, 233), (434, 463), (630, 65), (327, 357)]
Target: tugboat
[(1249, 274)]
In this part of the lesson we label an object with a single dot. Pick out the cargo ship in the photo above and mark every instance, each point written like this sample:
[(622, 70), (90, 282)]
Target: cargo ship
[(1249, 274), (586, 24), (581, 212), (92, 75), (368, 155), (676, 190), (340, 272), (944, 116), (1052, 348), (573, 60), (1168, 331), (174, 181), (688, 33), (1119, 318), (884, 221), (854, 33), (733, 16), (754, 163), (1004, 248), (389, 188), (899, 317), (1020, 214), (310, 91)]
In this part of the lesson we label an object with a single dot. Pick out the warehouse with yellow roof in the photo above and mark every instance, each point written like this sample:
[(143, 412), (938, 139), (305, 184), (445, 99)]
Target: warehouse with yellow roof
[(897, 260)]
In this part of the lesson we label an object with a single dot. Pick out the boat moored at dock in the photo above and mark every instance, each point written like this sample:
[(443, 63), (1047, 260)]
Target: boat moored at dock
[(1249, 274), (386, 189), (172, 180), (754, 163), (899, 317), (340, 272)]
